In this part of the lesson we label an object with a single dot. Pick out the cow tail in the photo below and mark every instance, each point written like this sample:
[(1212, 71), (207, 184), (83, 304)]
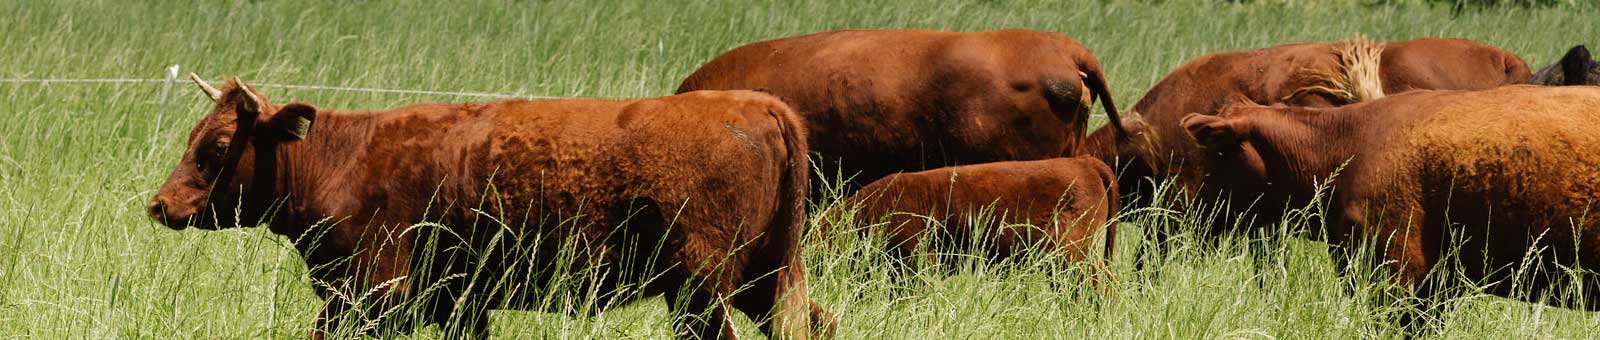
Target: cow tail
[(795, 184), (1360, 62), (1113, 208), (1063, 94), (797, 315), (1096, 81), (1357, 77)]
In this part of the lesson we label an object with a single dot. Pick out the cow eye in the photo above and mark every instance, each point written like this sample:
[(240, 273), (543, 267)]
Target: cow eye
[(219, 150)]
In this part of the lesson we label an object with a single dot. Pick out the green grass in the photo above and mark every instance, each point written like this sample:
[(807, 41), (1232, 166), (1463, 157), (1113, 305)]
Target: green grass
[(79, 259)]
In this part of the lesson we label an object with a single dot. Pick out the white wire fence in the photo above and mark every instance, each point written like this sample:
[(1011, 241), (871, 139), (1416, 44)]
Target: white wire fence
[(48, 81), (172, 76)]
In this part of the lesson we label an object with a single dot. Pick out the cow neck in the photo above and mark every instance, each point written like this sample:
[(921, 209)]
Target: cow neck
[(306, 172), (1308, 143)]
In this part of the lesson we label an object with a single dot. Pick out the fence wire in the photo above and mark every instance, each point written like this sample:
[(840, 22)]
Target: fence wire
[(48, 81), (171, 76)]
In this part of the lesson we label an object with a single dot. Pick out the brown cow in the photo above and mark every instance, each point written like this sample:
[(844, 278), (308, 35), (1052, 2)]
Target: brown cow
[(703, 192), (1308, 74), (878, 102), (1059, 203), (1490, 176)]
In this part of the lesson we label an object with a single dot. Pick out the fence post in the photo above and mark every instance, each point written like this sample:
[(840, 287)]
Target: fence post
[(166, 88), (166, 83)]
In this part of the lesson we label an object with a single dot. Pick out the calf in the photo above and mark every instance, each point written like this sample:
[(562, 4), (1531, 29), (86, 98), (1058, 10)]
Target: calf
[(1055, 204), (704, 192), (1504, 178)]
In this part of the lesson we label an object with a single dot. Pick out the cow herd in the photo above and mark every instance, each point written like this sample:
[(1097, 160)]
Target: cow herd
[(462, 208)]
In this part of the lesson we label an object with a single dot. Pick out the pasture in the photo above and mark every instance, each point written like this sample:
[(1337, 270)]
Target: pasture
[(79, 258)]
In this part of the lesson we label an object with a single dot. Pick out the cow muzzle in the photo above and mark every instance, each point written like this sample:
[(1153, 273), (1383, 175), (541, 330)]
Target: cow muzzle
[(161, 210)]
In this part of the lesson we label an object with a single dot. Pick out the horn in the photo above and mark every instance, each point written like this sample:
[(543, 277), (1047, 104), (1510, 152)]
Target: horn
[(216, 96), (255, 100)]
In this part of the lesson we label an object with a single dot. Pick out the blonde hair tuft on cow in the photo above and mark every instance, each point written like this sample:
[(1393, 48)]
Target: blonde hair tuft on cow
[(1357, 78)]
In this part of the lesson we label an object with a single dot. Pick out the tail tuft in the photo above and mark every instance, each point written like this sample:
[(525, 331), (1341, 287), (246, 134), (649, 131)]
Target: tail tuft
[(1357, 78)]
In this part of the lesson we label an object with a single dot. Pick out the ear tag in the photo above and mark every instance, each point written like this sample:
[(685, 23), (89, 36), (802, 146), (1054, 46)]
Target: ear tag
[(301, 128)]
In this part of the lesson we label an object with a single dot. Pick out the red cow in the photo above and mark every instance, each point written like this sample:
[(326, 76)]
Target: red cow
[(878, 102), (1307, 74), (702, 192), (1055, 204), (1502, 180)]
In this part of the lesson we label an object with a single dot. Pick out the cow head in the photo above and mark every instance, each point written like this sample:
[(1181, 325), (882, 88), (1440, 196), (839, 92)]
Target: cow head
[(1135, 143), (1239, 157), (223, 168), (1577, 67), (1274, 153), (1229, 139)]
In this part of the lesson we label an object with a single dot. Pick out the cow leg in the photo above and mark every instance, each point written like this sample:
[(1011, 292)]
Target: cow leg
[(340, 311), (700, 314), (779, 302), (328, 320), (1072, 240), (340, 317), (1410, 268), (905, 235), (760, 301), (914, 256), (1588, 258), (1340, 257), (1346, 247), (1267, 248), (1399, 248), (472, 327), (1590, 284), (1148, 255), (701, 287), (1102, 279), (376, 281), (465, 320)]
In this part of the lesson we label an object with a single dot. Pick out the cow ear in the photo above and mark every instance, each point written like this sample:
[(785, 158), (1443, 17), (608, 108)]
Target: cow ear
[(1575, 65), (1213, 132), (292, 122), (1134, 123)]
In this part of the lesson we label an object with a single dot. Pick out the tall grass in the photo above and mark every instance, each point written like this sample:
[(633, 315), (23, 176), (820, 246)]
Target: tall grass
[(79, 259)]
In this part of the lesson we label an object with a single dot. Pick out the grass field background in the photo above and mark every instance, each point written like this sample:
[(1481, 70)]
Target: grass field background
[(79, 259)]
